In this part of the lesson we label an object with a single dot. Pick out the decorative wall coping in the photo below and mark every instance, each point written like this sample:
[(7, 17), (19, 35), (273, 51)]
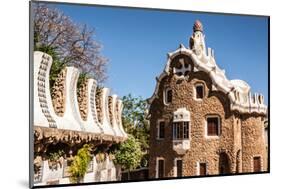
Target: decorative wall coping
[(238, 91), (71, 137), (45, 116)]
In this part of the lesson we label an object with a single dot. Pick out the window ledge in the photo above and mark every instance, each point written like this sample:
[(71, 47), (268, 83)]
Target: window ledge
[(180, 140), (212, 137), (160, 139)]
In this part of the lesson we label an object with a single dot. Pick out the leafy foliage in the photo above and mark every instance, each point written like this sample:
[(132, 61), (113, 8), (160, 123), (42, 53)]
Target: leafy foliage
[(129, 154), (81, 79), (67, 42), (133, 112), (135, 123), (80, 163), (54, 156)]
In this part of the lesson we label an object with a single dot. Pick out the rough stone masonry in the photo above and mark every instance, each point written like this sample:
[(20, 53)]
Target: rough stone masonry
[(238, 146)]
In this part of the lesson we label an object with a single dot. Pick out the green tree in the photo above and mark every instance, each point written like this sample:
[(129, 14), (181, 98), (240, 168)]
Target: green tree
[(129, 154), (80, 163), (135, 123)]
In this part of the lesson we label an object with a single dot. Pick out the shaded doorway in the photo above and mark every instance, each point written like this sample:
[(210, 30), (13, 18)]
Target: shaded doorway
[(160, 168), (202, 169), (257, 164), (224, 166), (238, 161), (179, 168)]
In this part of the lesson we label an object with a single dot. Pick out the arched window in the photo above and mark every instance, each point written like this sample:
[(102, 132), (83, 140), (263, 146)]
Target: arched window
[(199, 90), (168, 96)]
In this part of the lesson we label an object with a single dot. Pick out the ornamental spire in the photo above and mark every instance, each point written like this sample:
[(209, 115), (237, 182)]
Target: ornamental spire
[(197, 41), (197, 26)]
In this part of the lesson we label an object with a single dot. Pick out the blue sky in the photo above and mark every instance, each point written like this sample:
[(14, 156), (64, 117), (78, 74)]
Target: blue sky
[(137, 41)]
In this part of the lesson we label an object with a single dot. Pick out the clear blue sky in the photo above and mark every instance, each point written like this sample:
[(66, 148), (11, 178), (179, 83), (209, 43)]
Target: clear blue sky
[(136, 42)]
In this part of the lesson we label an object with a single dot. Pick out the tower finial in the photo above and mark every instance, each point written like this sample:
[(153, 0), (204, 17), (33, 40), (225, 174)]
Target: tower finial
[(197, 26)]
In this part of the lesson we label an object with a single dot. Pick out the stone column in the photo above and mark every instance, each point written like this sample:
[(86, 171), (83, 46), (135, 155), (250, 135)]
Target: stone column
[(253, 144)]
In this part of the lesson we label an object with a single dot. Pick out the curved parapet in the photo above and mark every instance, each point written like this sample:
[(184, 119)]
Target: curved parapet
[(71, 119), (106, 126), (83, 98), (113, 106), (98, 118), (119, 117), (43, 109), (91, 124), (237, 90)]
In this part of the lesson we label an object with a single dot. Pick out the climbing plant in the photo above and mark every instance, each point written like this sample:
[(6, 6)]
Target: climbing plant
[(80, 163)]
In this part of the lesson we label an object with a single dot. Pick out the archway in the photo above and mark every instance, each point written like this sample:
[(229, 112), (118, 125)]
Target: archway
[(224, 165)]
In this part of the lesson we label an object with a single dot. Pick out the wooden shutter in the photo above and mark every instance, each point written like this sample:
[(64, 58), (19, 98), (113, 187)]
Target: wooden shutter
[(213, 126), (202, 168), (160, 168), (257, 164), (179, 168)]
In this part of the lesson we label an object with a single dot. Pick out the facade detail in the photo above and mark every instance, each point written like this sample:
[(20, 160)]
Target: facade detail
[(213, 125), (68, 118)]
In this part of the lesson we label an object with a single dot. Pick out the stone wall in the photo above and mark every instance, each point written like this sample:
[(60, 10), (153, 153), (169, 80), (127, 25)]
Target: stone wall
[(97, 172), (99, 105), (58, 93), (110, 108), (137, 174), (253, 143), (67, 118), (83, 99), (202, 149)]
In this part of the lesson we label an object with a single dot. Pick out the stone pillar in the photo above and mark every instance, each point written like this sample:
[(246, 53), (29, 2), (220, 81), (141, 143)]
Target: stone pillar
[(253, 144)]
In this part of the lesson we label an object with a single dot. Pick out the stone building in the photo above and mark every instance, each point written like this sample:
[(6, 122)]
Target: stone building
[(68, 117), (202, 123), (266, 131)]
